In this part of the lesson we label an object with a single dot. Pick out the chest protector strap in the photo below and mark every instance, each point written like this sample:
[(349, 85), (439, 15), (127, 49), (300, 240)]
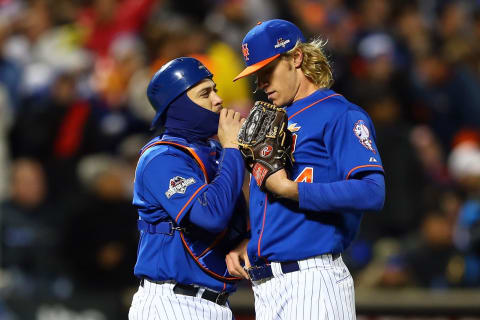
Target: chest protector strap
[(198, 242)]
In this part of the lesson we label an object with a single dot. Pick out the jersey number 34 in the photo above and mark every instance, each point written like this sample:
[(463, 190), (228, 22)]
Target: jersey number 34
[(305, 176)]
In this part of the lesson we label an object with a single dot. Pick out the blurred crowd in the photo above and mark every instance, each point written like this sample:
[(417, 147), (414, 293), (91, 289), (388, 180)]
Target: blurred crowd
[(74, 114)]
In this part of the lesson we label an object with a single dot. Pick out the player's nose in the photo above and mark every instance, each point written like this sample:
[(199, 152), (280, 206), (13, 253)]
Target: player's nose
[(216, 100)]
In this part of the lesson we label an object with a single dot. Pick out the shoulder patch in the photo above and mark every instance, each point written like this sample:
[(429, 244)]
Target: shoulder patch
[(178, 185), (363, 134)]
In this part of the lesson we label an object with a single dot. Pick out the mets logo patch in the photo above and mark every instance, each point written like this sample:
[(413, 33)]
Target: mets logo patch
[(178, 185), (245, 51), (363, 134)]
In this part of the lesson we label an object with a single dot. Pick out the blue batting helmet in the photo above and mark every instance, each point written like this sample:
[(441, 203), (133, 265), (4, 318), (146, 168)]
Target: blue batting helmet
[(173, 79)]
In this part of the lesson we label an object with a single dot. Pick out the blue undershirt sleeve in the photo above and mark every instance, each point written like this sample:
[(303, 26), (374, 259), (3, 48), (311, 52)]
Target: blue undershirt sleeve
[(366, 193), (215, 204)]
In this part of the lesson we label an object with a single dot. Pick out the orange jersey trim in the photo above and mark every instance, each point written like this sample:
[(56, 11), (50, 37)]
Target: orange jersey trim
[(263, 225), (213, 274), (364, 166), (189, 200), (215, 242), (311, 105)]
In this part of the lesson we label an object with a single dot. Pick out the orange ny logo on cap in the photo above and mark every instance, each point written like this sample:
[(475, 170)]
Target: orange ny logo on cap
[(245, 51)]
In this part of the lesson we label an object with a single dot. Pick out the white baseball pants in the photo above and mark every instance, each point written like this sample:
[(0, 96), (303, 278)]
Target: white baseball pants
[(321, 289), (156, 301)]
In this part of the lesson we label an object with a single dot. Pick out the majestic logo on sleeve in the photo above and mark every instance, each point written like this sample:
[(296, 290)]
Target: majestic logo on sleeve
[(245, 51), (178, 185), (363, 134), (293, 127)]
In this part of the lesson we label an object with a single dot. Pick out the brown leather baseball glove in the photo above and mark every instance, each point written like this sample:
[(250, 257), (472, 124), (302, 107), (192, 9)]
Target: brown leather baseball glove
[(265, 141)]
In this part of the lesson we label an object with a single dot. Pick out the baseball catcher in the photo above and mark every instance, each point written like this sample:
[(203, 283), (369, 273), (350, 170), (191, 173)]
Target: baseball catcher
[(188, 193), (265, 142)]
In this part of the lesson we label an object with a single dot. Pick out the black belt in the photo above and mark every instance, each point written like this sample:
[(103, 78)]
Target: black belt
[(190, 290), (257, 273)]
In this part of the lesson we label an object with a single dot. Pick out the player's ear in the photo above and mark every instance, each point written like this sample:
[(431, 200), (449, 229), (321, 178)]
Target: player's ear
[(297, 58)]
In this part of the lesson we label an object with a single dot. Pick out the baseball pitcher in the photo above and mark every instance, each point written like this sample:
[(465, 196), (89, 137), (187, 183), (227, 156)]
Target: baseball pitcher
[(306, 198)]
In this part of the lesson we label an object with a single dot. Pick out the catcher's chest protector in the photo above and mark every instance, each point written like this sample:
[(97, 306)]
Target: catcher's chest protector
[(202, 246)]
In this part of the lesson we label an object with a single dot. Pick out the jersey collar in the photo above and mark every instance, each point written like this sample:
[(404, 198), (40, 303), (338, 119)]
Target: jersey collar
[(302, 103)]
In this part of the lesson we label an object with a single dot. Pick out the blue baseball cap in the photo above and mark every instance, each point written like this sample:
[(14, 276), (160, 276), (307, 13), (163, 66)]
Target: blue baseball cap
[(174, 78), (266, 41)]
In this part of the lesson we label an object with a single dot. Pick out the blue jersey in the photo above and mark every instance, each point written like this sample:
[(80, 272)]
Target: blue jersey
[(201, 190), (333, 140)]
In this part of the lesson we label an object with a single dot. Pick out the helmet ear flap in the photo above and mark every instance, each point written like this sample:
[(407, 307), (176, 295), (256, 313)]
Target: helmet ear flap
[(158, 120), (174, 78)]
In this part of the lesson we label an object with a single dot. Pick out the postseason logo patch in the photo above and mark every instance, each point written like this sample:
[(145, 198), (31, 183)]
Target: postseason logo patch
[(178, 185), (281, 43), (245, 51), (363, 134)]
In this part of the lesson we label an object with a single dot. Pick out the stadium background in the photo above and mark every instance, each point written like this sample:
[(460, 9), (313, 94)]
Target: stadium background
[(73, 115)]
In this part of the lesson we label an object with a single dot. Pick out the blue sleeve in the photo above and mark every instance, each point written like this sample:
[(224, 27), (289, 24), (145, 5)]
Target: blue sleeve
[(176, 183), (367, 193), (218, 199), (350, 142), (170, 182)]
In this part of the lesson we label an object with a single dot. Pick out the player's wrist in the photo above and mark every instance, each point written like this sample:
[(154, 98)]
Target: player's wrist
[(281, 186), (289, 189), (230, 146)]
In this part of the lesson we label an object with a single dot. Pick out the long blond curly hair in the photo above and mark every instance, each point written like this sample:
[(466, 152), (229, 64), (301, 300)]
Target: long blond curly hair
[(315, 64)]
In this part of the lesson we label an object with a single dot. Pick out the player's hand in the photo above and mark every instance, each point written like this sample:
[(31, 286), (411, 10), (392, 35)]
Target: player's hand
[(236, 258), (228, 126), (279, 184)]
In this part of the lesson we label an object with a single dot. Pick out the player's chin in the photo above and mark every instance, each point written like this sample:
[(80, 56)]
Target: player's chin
[(275, 101)]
